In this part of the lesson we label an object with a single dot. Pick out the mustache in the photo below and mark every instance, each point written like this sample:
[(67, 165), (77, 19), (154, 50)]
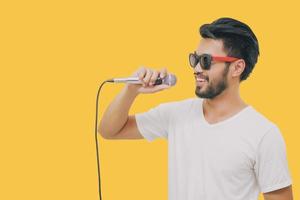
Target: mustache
[(200, 75)]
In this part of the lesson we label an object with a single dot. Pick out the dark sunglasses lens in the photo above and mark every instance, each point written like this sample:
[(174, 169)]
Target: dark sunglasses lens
[(205, 61), (193, 60)]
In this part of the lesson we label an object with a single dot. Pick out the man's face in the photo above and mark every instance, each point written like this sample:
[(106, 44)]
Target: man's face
[(210, 83)]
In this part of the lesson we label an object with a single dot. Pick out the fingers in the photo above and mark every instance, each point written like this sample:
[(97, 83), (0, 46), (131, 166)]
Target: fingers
[(163, 72), (141, 72), (148, 76), (153, 77)]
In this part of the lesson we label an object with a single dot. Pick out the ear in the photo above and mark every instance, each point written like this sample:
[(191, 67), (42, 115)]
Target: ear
[(238, 68)]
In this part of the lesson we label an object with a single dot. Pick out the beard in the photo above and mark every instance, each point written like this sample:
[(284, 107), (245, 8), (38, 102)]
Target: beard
[(213, 88)]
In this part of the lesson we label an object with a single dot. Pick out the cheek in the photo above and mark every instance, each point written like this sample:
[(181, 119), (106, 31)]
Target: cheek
[(218, 67), (212, 74), (216, 72)]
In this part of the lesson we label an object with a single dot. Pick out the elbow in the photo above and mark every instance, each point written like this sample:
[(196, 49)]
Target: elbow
[(100, 130), (104, 133)]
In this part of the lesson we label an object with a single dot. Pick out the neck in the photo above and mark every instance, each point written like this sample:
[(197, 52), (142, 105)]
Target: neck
[(227, 102)]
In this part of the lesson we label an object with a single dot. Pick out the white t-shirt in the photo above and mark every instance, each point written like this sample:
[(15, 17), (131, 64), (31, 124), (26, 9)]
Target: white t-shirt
[(234, 159)]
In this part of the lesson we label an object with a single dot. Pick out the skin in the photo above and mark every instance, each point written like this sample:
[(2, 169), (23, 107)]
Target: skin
[(116, 122), (229, 102), (281, 194)]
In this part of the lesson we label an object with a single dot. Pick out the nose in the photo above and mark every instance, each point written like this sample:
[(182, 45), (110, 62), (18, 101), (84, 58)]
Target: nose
[(198, 68)]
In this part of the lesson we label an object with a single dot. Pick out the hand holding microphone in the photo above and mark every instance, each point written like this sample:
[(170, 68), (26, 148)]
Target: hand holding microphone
[(146, 80)]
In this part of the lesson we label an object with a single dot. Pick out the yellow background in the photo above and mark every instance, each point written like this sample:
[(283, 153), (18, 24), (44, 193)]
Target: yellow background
[(54, 54)]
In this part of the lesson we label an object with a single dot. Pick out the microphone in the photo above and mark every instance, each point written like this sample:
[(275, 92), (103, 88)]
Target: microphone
[(169, 79)]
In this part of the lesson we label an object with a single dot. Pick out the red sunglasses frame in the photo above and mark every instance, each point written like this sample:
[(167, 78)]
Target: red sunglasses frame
[(218, 58), (224, 58)]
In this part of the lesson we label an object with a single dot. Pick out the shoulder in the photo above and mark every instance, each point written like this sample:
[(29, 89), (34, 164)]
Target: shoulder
[(258, 122), (179, 105)]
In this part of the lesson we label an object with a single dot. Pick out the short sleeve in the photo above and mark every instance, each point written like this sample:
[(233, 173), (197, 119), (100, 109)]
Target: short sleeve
[(271, 166), (155, 122)]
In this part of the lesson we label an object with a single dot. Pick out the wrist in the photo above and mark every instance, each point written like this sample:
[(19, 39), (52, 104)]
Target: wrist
[(132, 89)]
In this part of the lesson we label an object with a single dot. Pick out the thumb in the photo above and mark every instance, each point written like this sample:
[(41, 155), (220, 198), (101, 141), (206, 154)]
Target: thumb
[(162, 86)]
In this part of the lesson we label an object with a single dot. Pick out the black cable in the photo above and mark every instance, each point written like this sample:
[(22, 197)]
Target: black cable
[(96, 138)]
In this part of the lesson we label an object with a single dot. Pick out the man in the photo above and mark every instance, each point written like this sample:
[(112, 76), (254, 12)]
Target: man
[(219, 147)]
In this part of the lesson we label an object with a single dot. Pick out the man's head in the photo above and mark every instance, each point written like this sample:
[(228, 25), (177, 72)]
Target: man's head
[(229, 40)]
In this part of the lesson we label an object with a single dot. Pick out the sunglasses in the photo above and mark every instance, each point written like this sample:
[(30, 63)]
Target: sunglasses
[(206, 59)]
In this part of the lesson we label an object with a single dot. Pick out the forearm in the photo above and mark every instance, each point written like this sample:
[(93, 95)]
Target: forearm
[(116, 115), (281, 194)]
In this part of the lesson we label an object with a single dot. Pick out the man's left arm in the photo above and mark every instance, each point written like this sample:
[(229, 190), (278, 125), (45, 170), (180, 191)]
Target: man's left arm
[(281, 194), (271, 167)]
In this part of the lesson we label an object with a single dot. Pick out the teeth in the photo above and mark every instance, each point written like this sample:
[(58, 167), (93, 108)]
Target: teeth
[(201, 80)]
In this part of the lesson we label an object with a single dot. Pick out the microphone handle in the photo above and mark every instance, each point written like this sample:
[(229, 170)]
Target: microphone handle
[(135, 80), (158, 81)]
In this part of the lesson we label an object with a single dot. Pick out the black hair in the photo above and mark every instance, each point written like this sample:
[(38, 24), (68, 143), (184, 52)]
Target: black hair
[(238, 40)]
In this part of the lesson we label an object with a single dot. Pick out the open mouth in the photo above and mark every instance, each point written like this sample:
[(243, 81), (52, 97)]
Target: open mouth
[(200, 79), (200, 82)]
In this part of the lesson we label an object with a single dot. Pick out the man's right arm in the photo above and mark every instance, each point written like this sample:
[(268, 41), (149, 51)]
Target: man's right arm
[(115, 123)]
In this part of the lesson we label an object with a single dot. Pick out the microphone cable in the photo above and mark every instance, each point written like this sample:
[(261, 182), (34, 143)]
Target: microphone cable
[(96, 138)]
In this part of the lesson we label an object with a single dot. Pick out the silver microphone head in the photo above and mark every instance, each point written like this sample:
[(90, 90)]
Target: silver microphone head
[(170, 80)]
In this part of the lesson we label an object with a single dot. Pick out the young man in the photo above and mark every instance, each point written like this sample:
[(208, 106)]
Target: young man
[(219, 147)]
